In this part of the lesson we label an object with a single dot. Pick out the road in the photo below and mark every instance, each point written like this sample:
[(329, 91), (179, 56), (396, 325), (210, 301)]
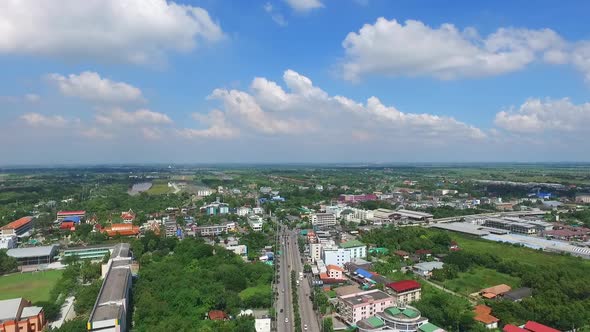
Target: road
[(291, 260)]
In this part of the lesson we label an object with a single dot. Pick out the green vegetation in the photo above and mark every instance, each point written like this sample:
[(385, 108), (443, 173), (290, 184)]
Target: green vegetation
[(159, 187), (33, 286), (478, 278), (7, 263), (295, 301), (193, 280)]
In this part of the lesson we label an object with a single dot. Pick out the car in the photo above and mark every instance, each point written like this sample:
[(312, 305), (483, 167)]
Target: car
[(286, 320), (305, 327), (283, 290), (281, 310)]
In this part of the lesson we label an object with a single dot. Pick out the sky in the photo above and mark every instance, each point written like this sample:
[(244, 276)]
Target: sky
[(293, 81)]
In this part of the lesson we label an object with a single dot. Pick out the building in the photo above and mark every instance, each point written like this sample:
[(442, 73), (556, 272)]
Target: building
[(19, 227), (335, 256), (494, 291), (18, 315), (8, 241), (357, 248), (243, 211), (239, 249), (414, 216), (128, 216), (202, 192), (321, 220), (357, 198), (121, 229), (315, 251), (215, 208), (405, 291), (256, 223), (262, 324), (398, 319), (335, 272), (215, 230), (483, 314), (89, 252), (33, 255), (265, 190), (110, 310), (583, 198), (358, 306), (516, 295), (61, 215), (217, 315), (530, 326), (171, 228), (424, 269)]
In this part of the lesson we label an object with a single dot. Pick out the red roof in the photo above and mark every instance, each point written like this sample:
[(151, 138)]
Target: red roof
[(512, 328), (537, 327), (334, 267), (217, 315), (404, 285), (17, 223), (67, 225), (483, 314), (70, 213)]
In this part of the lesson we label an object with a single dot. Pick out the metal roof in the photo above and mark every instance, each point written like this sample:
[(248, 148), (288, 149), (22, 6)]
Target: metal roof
[(32, 251), (9, 308)]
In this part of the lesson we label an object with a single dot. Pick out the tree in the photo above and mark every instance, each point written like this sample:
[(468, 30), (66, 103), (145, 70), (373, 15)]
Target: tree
[(327, 325), (7, 263)]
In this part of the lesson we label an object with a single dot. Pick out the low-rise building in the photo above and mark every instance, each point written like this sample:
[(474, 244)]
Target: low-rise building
[(18, 228), (18, 315), (358, 306), (243, 211), (8, 241), (239, 249), (398, 319), (61, 215), (33, 255), (405, 291), (215, 230), (494, 291), (321, 220), (256, 222), (483, 314), (424, 269), (335, 272), (583, 198)]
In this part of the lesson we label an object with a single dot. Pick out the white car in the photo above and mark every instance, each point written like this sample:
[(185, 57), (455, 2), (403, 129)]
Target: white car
[(305, 327), (286, 320)]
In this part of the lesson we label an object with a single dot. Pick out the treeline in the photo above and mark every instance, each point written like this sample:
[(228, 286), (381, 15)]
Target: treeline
[(408, 238), (561, 293), (176, 291)]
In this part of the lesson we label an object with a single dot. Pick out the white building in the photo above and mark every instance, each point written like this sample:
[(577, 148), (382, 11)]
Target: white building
[(319, 187), (255, 223), (204, 192), (257, 210), (335, 256), (240, 249), (356, 248), (323, 220), (243, 211), (315, 251), (7, 241)]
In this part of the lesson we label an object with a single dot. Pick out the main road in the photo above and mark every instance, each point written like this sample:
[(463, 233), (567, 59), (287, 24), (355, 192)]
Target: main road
[(290, 260)]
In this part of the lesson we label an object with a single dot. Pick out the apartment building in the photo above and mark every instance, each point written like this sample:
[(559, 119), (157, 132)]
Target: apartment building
[(335, 256), (321, 220), (405, 291), (358, 306), (357, 248)]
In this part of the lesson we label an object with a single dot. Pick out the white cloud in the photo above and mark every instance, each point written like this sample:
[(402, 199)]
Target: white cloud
[(304, 5), (414, 49), (218, 127), (131, 31), (538, 116), (40, 120), (119, 117), (308, 111), (277, 17), (580, 57), (90, 86)]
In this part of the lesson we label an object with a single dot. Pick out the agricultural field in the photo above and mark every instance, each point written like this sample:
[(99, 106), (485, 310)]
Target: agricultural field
[(478, 278), (159, 187), (34, 286)]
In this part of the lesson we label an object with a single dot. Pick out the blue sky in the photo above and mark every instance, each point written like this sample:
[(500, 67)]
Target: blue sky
[(119, 81)]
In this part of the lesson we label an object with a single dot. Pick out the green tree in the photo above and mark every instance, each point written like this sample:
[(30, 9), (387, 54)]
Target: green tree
[(7, 263)]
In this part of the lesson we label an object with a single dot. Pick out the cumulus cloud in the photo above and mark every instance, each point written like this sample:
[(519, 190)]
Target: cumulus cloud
[(304, 5), (308, 111), (217, 127), (537, 116), (49, 121), (391, 48), (90, 86), (130, 31)]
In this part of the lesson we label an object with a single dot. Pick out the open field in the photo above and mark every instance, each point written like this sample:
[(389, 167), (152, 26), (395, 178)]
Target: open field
[(510, 252), (478, 278), (34, 286), (159, 187)]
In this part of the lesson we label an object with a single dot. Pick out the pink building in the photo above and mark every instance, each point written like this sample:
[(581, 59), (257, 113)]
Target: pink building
[(358, 306), (335, 272)]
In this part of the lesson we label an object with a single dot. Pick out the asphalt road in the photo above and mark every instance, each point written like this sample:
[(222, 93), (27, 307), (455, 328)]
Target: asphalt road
[(291, 260)]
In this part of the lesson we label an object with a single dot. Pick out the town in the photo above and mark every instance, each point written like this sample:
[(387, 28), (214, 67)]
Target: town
[(295, 249)]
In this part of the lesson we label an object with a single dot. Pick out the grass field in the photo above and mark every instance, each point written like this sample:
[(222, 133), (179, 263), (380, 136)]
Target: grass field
[(159, 187), (34, 286), (524, 255), (478, 278)]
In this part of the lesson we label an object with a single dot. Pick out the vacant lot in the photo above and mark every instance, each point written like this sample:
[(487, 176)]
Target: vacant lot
[(159, 187), (478, 278), (33, 286)]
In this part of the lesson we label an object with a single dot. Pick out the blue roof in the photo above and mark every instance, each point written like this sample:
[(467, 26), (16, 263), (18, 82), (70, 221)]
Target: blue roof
[(364, 273), (75, 219)]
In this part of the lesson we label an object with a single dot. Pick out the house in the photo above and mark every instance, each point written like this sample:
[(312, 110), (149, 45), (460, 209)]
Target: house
[(128, 216), (516, 295), (217, 315), (425, 269), (483, 315), (335, 272), (423, 252), (530, 326), (18, 315), (405, 291), (402, 254), (494, 291)]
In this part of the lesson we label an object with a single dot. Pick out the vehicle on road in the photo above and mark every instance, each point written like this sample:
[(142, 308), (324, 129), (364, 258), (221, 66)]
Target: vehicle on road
[(286, 320), (281, 310), (305, 327)]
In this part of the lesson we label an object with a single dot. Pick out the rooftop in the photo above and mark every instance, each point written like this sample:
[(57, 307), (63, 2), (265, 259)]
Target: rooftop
[(17, 223), (518, 294), (9, 308), (404, 286), (429, 327), (358, 298), (496, 290), (69, 213), (483, 314), (352, 244), (537, 327), (32, 251), (513, 328)]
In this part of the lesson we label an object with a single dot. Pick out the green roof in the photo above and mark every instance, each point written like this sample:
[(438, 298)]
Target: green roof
[(429, 327), (379, 250), (393, 311), (410, 313), (353, 243), (375, 322)]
